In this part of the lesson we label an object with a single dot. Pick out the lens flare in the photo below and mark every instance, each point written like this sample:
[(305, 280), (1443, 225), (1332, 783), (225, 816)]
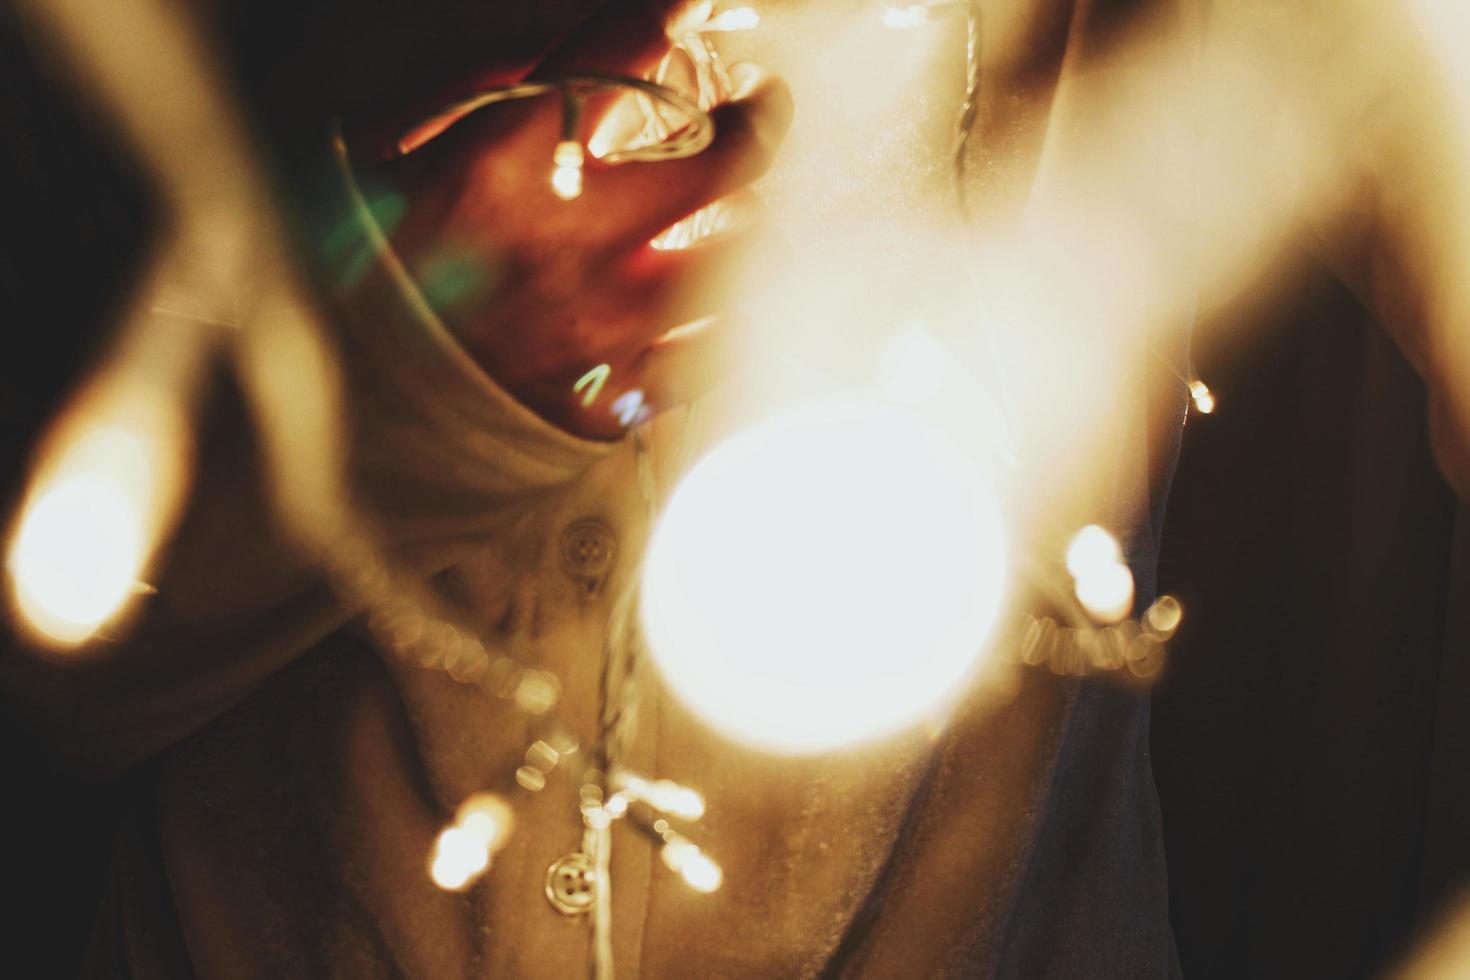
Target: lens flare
[(566, 174), (825, 578)]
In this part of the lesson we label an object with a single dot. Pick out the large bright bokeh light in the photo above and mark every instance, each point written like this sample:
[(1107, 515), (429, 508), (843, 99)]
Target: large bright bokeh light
[(84, 535), (826, 578), (110, 481)]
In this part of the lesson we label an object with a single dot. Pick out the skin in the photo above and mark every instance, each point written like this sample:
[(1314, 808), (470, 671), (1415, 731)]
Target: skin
[(576, 283)]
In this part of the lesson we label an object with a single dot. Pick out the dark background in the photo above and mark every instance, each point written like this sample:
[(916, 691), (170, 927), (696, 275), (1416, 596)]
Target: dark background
[(1311, 737)]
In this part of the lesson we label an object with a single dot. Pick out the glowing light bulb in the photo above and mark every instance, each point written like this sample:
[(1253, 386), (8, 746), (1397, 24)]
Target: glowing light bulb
[(1164, 616), (828, 577), (1204, 398), (1092, 549), (1107, 593), (1103, 584), (702, 874), (93, 515), (459, 858), (76, 557), (685, 859), (669, 797), (902, 18), (566, 174), (487, 818), (738, 19)]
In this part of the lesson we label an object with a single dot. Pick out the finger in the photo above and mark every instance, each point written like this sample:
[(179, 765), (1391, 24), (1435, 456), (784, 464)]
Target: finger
[(692, 361), (654, 195), (621, 39), (677, 287), (618, 39)]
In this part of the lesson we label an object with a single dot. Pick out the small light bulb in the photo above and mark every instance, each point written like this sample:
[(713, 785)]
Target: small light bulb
[(685, 859), (487, 818), (94, 514), (667, 796), (566, 176), (1204, 398), (1092, 549), (459, 858), (1106, 592), (702, 874), (676, 853), (1103, 584)]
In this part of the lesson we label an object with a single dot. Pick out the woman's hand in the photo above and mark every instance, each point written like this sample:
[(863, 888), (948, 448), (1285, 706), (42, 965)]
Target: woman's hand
[(541, 290)]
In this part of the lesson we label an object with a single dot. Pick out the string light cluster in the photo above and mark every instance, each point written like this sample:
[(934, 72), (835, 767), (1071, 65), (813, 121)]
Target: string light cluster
[(1136, 646)]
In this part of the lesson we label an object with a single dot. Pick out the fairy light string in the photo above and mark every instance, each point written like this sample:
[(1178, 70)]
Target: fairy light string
[(1093, 596)]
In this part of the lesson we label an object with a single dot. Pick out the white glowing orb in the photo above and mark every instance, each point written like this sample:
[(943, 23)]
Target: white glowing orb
[(1106, 593), (459, 858), (83, 537), (826, 578), (566, 174), (1102, 582), (1092, 551), (487, 818)]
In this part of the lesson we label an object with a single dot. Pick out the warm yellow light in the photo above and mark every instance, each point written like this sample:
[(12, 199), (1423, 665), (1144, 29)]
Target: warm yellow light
[(827, 577), (566, 174), (77, 555), (459, 858), (616, 806), (690, 863), (1103, 583), (667, 796), (90, 520), (487, 818), (1092, 549), (702, 874), (1204, 398)]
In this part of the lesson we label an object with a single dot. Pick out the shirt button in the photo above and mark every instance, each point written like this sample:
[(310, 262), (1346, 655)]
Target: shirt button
[(588, 550), (570, 884)]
